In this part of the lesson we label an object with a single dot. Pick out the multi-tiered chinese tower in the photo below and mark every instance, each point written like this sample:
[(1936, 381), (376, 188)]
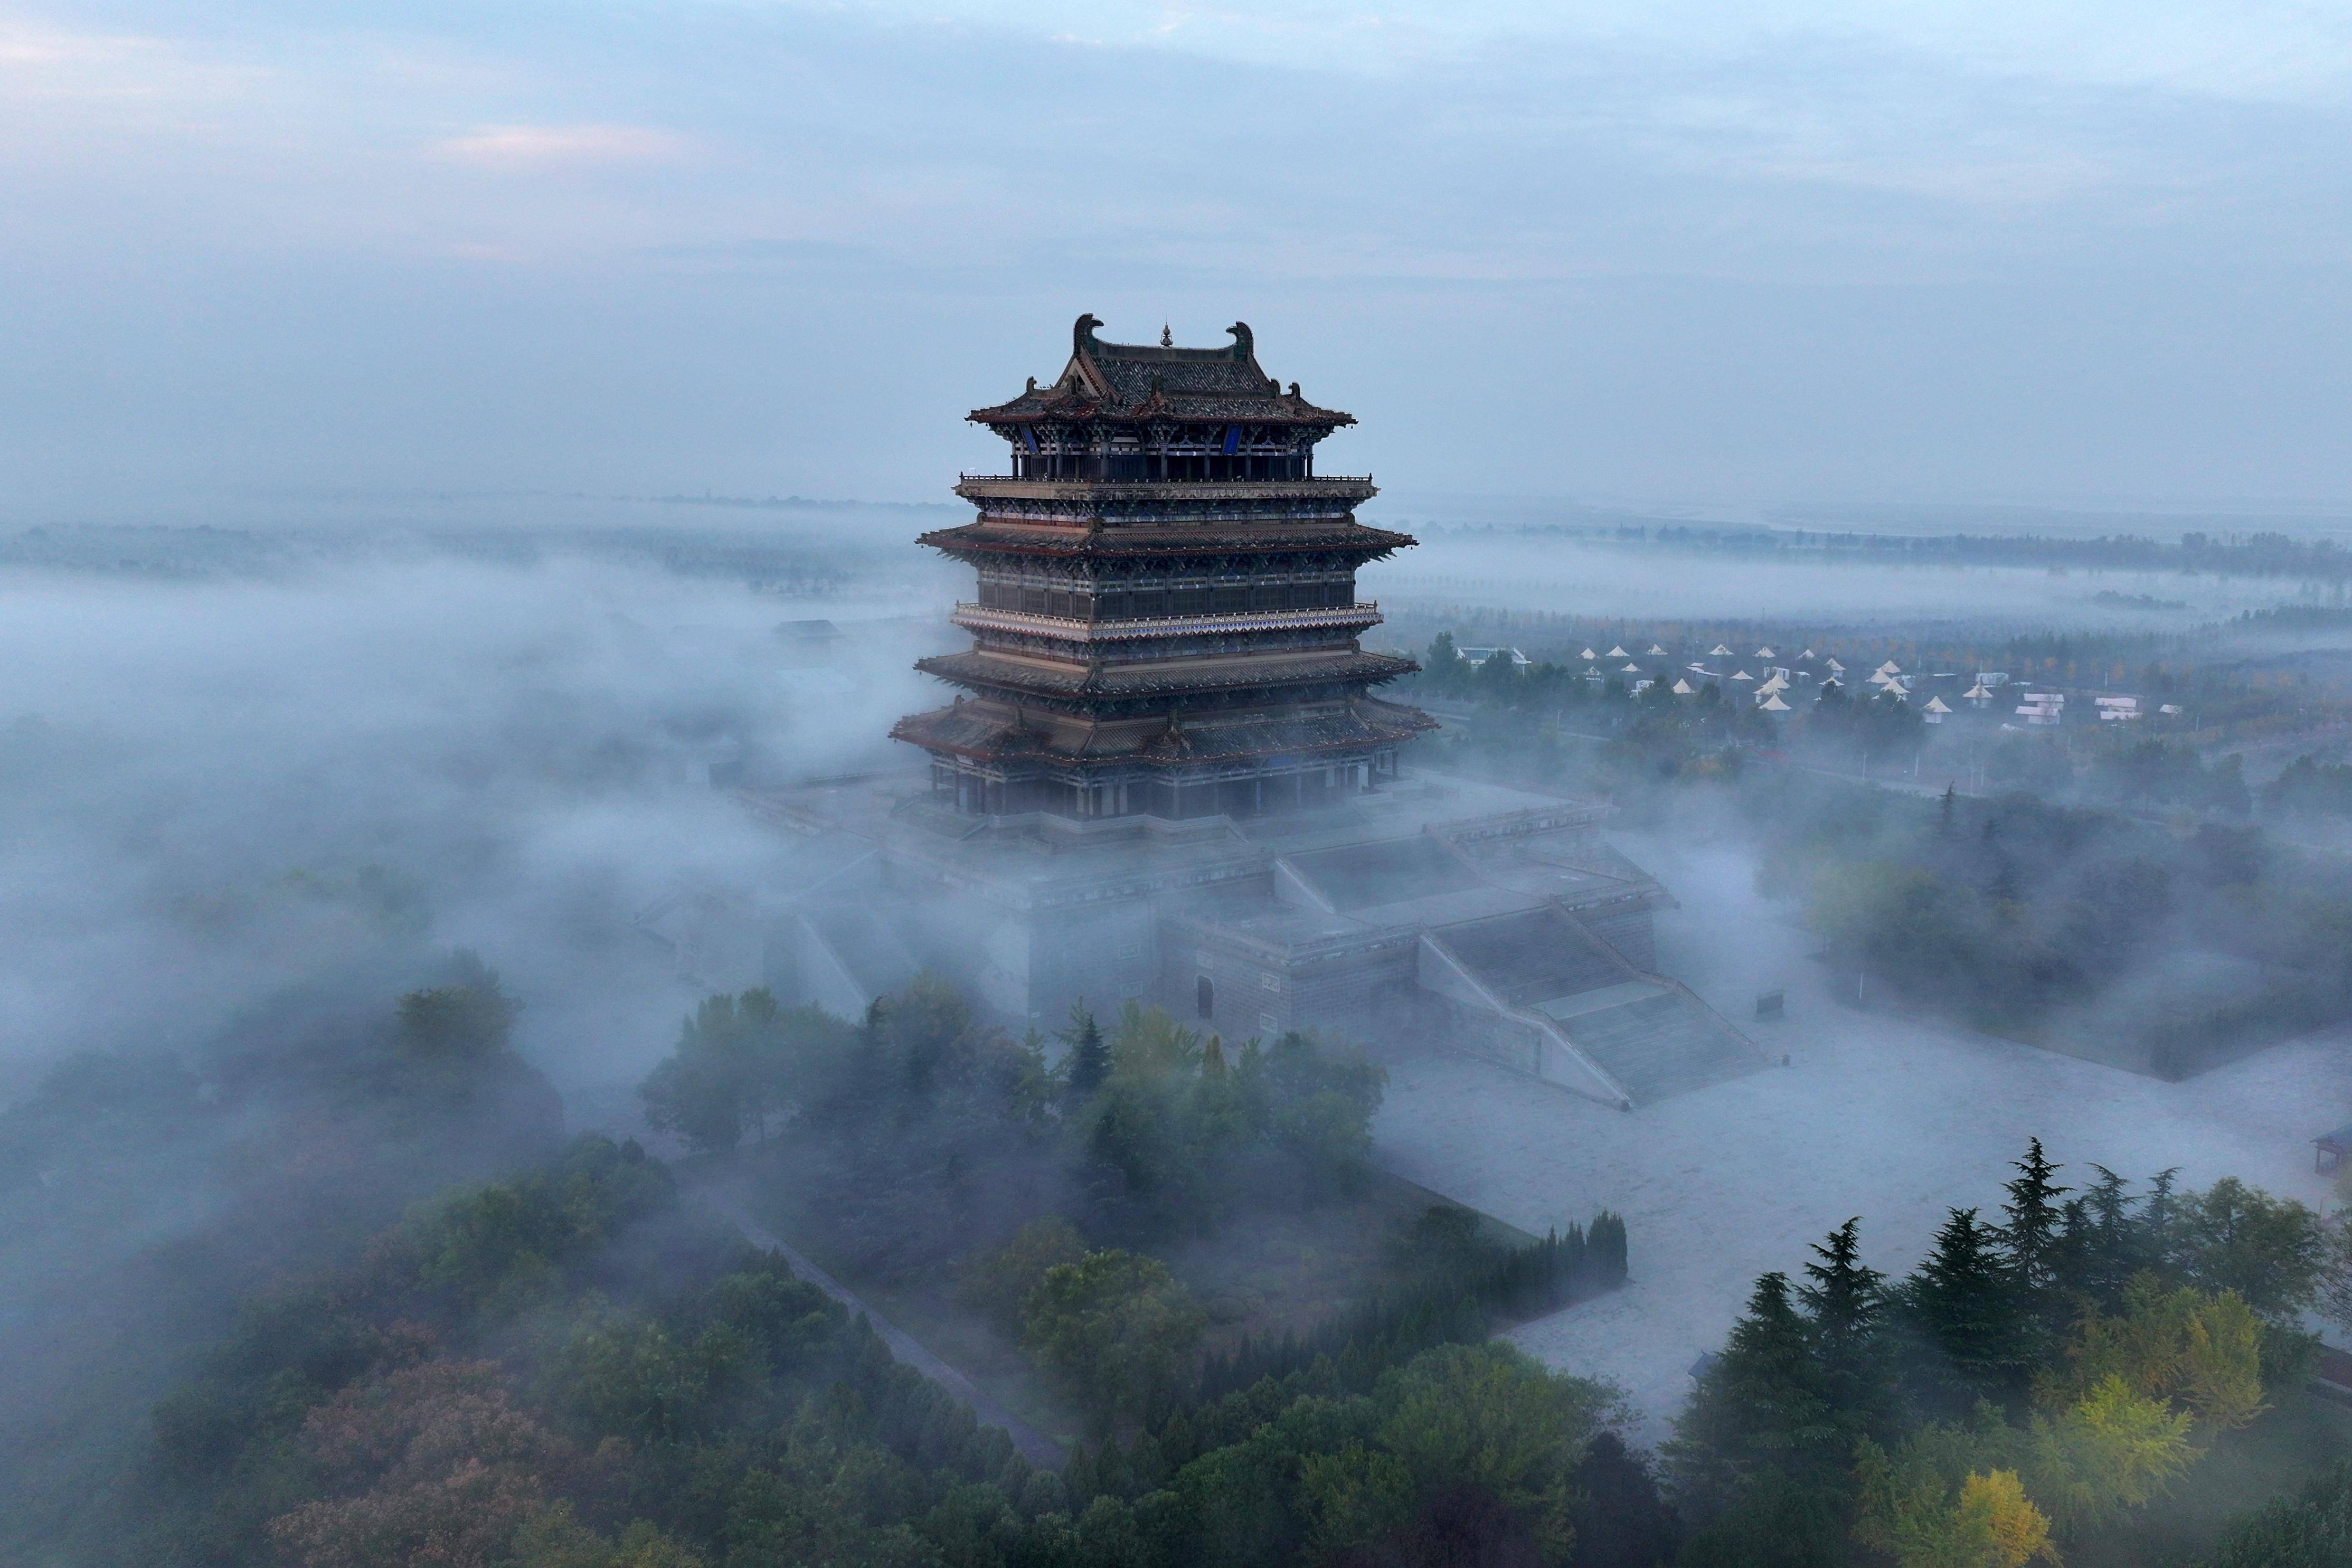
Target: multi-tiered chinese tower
[(1167, 618)]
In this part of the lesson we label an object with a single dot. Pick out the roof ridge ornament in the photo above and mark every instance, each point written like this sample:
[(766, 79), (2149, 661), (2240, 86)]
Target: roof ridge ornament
[(1244, 346), (1082, 333), (1167, 337)]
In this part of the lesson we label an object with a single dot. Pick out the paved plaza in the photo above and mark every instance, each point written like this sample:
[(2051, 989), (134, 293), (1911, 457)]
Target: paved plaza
[(1888, 1119)]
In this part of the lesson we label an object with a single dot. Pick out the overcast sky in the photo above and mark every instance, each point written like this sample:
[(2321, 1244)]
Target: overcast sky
[(2078, 250)]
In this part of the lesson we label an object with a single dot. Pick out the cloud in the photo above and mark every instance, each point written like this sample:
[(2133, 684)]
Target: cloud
[(565, 146), (2245, 51)]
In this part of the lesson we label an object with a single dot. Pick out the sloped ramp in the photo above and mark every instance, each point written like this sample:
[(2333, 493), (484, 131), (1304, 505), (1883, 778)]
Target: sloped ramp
[(846, 957), (1535, 955), (1654, 1037), (1598, 1025)]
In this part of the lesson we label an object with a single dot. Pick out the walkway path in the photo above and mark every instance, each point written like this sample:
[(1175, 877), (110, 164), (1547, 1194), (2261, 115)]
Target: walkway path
[(1032, 1445)]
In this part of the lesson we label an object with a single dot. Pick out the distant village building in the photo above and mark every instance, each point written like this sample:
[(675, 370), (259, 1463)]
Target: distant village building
[(1479, 657), (2115, 709), (2042, 708)]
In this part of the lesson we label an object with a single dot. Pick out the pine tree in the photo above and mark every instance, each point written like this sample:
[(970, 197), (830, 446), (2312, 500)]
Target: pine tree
[(2114, 1250), (2156, 1236), (2031, 1240), (1945, 812), (1088, 1062), (1604, 1246), (1962, 1301), (1764, 1402), (1845, 1304)]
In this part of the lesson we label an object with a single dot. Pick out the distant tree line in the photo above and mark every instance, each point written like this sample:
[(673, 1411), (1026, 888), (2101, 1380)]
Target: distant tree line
[(2264, 554)]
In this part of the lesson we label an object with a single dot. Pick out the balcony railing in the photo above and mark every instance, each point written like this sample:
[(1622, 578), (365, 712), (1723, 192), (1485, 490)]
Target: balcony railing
[(1070, 628)]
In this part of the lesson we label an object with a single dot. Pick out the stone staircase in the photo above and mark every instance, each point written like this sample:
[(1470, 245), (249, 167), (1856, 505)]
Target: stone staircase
[(1665, 1042), (1633, 1037)]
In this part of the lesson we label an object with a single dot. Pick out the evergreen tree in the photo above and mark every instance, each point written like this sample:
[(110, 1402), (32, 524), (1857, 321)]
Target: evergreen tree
[(1764, 1405), (2156, 1241), (1605, 1247), (1962, 1301), (1089, 1059), (2112, 1247), (1845, 1304), (2030, 1241), (1946, 811), (1621, 1521)]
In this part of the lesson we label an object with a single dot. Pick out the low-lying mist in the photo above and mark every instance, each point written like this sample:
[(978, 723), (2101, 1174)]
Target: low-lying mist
[(217, 786), (1535, 570)]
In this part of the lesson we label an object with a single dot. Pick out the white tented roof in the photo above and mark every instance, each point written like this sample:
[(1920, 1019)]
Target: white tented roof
[(1936, 705), (1717, 651), (1681, 688), (1743, 675), (1587, 655), (1772, 703), (1631, 669), (1655, 649), (1763, 653), (1618, 653)]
